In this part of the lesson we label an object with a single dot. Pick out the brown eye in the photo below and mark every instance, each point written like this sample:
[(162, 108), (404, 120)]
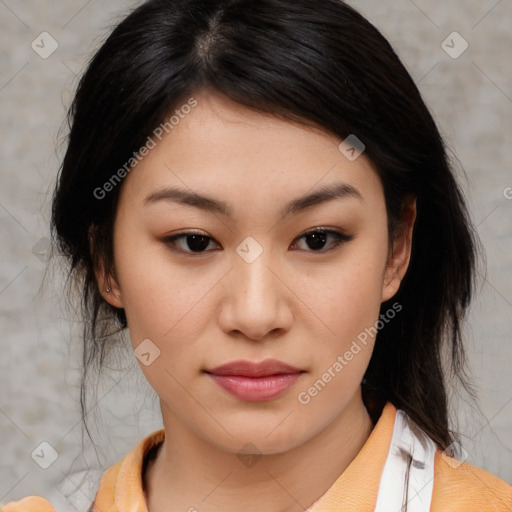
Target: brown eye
[(317, 240), (191, 242)]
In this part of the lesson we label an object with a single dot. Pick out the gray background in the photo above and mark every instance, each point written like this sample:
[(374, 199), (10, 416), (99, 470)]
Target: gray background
[(470, 97)]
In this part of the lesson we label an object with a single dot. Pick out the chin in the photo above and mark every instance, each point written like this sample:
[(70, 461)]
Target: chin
[(260, 437)]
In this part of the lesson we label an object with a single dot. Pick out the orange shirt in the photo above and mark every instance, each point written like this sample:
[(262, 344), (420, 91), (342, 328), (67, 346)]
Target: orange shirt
[(457, 488)]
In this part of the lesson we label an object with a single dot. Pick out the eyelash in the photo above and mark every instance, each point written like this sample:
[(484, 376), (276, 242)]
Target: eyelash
[(340, 238)]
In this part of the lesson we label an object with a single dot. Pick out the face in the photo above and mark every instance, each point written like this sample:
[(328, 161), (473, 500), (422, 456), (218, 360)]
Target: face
[(242, 237)]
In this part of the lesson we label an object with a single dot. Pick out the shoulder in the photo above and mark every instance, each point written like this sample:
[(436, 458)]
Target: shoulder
[(462, 487), (74, 493), (28, 504)]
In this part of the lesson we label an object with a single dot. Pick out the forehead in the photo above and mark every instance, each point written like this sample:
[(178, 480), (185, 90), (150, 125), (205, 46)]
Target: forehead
[(221, 145)]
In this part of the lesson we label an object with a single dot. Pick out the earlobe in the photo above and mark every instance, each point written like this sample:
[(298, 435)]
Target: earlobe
[(109, 289), (107, 285), (399, 259)]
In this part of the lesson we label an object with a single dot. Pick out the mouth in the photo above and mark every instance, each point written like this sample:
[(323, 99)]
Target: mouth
[(255, 381)]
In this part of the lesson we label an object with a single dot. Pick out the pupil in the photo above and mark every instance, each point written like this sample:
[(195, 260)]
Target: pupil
[(316, 240), (200, 242), (197, 242)]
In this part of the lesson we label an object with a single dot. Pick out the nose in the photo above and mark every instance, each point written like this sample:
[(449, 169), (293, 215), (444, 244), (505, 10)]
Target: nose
[(256, 303)]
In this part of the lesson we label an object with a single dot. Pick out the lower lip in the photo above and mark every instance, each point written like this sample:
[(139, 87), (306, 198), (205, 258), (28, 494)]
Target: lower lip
[(256, 389)]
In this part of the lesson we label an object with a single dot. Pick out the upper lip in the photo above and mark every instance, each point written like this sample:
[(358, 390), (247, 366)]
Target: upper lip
[(254, 369)]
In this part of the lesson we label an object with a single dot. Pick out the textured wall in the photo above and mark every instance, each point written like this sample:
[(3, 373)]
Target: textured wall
[(471, 97)]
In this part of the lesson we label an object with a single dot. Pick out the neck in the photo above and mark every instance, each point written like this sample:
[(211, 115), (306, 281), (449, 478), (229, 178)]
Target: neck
[(189, 473)]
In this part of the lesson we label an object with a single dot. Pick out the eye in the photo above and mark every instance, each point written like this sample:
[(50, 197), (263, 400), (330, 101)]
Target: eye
[(316, 240), (197, 243), (191, 242)]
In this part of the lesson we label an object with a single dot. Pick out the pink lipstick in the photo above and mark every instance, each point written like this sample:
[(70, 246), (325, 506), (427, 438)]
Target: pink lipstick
[(255, 382)]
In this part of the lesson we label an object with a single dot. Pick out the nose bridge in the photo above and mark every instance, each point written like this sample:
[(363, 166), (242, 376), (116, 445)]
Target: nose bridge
[(256, 286), (257, 302)]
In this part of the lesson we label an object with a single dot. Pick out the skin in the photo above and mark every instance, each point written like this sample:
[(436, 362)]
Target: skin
[(294, 304)]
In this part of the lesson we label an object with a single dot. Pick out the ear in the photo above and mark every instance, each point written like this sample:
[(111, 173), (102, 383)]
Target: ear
[(398, 260), (107, 284)]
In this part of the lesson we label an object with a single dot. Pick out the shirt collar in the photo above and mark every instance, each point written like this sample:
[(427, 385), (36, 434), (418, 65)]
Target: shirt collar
[(356, 489)]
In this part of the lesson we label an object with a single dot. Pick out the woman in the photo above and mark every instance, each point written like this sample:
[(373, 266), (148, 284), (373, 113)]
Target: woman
[(257, 192)]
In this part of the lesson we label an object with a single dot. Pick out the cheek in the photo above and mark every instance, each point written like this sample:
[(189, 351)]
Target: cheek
[(348, 301), (169, 308), (347, 297), (166, 305)]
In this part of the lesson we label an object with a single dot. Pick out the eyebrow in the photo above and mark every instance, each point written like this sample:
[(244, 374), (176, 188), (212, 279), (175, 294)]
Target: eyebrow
[(209, 204)]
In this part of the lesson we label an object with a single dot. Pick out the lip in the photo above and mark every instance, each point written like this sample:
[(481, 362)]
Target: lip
[(245, 368), (255, 381)]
